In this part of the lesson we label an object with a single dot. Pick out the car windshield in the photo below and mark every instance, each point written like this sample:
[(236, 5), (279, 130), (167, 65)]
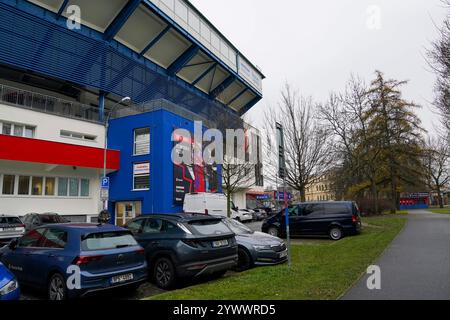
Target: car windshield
[(237, 227), (107, 240), (209, 227)]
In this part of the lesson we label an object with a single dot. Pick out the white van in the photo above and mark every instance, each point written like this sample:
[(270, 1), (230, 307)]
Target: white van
[(214, 204)]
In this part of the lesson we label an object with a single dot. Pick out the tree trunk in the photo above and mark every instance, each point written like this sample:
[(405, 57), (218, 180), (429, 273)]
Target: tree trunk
[(440, 199), (374, 192), (229, 204), (302, 194)]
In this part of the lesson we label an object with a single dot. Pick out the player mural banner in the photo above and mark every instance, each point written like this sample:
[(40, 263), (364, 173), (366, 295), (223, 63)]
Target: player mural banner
[(190, 178)]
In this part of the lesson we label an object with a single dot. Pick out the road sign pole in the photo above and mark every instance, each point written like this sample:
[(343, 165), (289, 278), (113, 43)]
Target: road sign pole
[(286, 215)]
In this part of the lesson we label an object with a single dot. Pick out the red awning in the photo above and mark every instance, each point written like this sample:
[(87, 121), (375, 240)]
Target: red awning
[(56, 153)]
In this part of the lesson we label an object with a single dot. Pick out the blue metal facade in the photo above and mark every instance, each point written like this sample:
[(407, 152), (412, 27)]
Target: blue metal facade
[(35, 39), (159, 199)]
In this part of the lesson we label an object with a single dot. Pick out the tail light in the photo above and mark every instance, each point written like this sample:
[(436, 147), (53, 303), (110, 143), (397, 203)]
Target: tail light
[(21, 226), (80, 260), (354, 218), (206, 212), (141, 252)]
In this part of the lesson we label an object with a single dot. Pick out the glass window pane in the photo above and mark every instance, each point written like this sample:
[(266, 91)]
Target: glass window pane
[(18, 130), (36, 186), (24, 185), (62, 187), (8, 184), (49, 186), (73, 187), (29, 132), (142, 182), (84, 191), (142, 141), (6, 129)]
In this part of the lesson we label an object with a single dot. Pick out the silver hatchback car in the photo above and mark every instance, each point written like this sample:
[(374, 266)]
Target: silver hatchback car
[(11, 227)]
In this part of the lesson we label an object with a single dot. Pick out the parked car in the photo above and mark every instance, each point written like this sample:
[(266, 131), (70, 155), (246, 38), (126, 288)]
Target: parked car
[(10, 227), (214, 204), (33, 220), (256, 248), (259, 214), (9, 287), (184, 245), (335, 219), (108, 257)]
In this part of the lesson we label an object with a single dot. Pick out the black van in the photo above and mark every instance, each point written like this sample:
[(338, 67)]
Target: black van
[(335, 219)]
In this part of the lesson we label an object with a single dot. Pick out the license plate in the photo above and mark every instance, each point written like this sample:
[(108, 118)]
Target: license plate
[(122, 278), (220, 243), (283, 254)]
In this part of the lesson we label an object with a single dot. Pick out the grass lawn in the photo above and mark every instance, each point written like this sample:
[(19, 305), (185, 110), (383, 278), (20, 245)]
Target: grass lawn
[(440, 211), (399, 212), (320, 269)]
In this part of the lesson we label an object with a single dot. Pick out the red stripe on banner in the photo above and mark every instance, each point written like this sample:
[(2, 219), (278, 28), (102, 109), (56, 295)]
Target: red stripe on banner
[(42, 151)]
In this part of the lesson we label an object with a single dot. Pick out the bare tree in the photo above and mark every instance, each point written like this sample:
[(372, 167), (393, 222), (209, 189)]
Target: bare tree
[(306, 150), (357, 156), (439, 60), (437, 164)]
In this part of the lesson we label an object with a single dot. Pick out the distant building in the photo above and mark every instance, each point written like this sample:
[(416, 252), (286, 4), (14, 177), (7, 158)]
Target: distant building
[(320, 190)]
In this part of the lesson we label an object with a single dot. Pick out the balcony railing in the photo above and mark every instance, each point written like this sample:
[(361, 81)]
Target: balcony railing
[(48, 104)]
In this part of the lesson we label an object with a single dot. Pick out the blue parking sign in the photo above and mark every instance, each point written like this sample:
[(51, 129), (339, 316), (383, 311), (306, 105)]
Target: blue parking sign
[(105, 183)]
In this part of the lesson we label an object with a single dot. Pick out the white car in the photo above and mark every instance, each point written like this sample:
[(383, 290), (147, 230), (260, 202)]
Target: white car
[(241, 215)]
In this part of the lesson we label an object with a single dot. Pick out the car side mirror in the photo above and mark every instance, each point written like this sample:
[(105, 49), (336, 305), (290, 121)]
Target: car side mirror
[(13, 244)]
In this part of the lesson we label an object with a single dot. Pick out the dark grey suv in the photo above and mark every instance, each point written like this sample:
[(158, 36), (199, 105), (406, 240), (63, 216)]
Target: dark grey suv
[(184, 245)]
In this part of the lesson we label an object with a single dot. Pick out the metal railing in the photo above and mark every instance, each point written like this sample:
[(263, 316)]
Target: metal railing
[(48, 104)]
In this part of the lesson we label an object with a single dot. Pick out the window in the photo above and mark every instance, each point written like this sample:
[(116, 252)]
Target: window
[(152, 226), (135, 226), (337, 208), (77, 135), (141, 176), (62, 187), (8, 184), (49, 186), (6, 128), (18, 130), (311, 209), (207, 228), (32, 238), (73, 187), (293, 211), (54, 238), (107, 240), (36, 186), (142, 141), (24, 185), (84, 188)]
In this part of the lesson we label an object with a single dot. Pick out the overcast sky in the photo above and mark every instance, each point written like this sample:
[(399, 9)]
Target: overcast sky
[(316, 45)]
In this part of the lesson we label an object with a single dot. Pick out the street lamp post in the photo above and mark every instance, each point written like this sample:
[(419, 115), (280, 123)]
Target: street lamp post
[(126, 99)]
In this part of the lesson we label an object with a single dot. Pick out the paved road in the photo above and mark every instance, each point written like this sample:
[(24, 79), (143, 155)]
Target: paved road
[(416, 265)]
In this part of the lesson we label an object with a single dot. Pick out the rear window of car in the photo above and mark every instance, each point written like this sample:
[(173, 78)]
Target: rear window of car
[(47, 219), (107, 240), (10, 220), (209, 227)]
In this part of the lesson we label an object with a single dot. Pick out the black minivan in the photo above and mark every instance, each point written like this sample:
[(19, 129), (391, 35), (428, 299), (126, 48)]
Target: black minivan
[(335, 219)]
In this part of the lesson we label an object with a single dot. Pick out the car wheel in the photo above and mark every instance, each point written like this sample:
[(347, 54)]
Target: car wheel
[(244, 260), (164, 273), (57, 289), (238, 219), (335, 233), (273, 232)]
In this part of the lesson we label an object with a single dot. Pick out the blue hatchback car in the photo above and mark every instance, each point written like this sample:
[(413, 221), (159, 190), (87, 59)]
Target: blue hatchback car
[(9, 287), (73, 260)]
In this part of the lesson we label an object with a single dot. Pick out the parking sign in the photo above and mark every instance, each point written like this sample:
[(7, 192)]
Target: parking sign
[(105, 183)]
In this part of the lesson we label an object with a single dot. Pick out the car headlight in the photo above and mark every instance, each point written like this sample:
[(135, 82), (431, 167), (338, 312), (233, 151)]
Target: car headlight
[(9, 287), (260, 248)]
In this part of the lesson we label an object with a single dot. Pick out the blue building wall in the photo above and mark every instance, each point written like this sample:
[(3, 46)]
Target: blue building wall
[(159, 199)]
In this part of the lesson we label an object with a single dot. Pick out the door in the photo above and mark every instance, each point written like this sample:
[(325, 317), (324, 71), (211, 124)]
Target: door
[(126, 211), (20, 260), (312, 219)]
